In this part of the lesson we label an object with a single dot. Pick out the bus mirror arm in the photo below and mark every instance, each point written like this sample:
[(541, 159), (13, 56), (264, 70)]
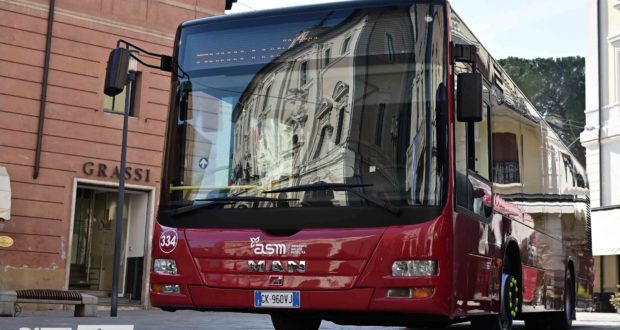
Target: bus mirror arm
[(468, 85), (118, 65)]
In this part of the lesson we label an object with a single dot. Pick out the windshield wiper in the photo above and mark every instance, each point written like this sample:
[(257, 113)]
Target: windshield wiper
[(340, 187), (227, 200)]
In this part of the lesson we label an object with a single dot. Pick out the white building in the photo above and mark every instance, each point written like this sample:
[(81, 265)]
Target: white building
[(601, 138)]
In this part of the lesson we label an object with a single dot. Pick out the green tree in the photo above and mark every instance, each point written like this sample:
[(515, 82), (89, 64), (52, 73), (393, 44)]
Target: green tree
[(556, 87)]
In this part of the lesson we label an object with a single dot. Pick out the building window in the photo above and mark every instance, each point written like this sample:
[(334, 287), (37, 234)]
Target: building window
[(505, 158), (389, 47), (266, 98), (327, 57), (319, 147), (379, 127), (341, 92), (345, 45), (116, 104), (303, 73), (340, 123)]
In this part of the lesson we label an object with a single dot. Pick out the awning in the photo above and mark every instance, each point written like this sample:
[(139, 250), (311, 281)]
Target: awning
[(605, 232), (5, 195)]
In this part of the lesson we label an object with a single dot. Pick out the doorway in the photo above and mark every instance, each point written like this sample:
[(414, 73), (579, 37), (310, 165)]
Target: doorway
[(92, 250)]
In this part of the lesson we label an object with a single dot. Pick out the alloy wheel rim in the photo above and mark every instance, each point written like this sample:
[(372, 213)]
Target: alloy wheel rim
[(510, 298)]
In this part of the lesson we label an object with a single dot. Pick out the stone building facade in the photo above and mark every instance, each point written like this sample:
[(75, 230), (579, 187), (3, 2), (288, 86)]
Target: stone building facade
[(601, 138), (60, 235)]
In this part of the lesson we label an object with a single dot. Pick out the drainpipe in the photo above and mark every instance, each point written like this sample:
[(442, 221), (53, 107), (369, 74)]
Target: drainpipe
[(46, 66), (599, 12)]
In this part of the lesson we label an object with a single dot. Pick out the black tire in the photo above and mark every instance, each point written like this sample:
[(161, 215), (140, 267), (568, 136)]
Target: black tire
[(509, 302), (292, 322), (538, 321)]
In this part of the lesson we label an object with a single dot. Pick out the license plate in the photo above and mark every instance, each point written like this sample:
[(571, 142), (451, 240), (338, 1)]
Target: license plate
[(276, 299)]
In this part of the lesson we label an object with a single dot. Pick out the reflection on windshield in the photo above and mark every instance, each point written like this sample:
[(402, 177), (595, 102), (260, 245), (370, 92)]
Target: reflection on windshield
[(331, 97)]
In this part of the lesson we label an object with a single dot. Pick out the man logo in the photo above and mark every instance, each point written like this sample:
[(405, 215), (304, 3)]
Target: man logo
[(276, 266), (266, 249)]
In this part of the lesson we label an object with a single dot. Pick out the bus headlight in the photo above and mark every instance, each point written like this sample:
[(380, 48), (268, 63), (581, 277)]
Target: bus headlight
[(411, 268), (165, 266)]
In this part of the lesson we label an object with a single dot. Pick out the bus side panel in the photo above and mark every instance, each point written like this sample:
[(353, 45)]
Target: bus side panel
[(540, 189), (428, 241), (170, 243), (584, 281), (476, 243)]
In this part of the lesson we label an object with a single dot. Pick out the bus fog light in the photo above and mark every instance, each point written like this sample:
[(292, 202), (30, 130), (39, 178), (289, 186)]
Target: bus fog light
[(166, 288), (414, 268), (399, 293), (170, 288), (422, 292), (165, 266)]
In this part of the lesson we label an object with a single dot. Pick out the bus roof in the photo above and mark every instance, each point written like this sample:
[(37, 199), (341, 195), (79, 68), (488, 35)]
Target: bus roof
[(306, 8)]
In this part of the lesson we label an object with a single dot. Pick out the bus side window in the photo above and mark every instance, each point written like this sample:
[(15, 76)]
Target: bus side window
[(460, 158), (480, 163), (472, 164)]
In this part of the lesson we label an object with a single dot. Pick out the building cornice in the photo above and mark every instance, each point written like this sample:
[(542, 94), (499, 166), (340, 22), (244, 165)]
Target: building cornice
[(614, 39), (196, 8), (94, 19)]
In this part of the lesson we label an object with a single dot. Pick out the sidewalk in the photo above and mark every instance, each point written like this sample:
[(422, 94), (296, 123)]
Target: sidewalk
[(598, 317)]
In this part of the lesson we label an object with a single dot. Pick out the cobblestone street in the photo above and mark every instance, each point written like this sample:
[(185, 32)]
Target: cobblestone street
[(156, 319)]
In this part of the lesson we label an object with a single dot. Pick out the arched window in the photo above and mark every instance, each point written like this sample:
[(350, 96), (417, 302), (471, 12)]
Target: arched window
[(340, 91), (339, 128), (345, 45)]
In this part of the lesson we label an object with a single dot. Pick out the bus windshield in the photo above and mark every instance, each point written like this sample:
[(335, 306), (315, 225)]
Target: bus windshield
[(356, 98)]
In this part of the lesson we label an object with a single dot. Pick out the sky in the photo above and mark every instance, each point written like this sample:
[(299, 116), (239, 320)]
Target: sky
[(520, 28)]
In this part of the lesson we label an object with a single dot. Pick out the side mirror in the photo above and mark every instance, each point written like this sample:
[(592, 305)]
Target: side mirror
[(469, 97), (116, 71)]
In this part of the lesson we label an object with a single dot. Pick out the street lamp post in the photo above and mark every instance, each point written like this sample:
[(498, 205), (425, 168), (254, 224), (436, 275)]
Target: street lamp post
[(120, 74), (118, 228)]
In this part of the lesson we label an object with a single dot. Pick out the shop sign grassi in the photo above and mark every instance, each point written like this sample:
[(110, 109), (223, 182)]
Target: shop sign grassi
[(102, 170)]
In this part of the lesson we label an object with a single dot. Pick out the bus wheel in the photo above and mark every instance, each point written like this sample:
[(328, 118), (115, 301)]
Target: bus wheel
[(292, 322), (509, 307)]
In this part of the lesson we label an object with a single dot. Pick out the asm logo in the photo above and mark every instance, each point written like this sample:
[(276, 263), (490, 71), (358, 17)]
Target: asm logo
[(266, 249)]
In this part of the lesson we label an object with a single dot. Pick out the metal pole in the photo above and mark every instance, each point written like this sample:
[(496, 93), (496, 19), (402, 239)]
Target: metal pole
[(118, 228), (46, 70)]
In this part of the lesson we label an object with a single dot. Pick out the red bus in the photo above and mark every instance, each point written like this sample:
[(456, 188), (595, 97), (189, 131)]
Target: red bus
[(364, 162)]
